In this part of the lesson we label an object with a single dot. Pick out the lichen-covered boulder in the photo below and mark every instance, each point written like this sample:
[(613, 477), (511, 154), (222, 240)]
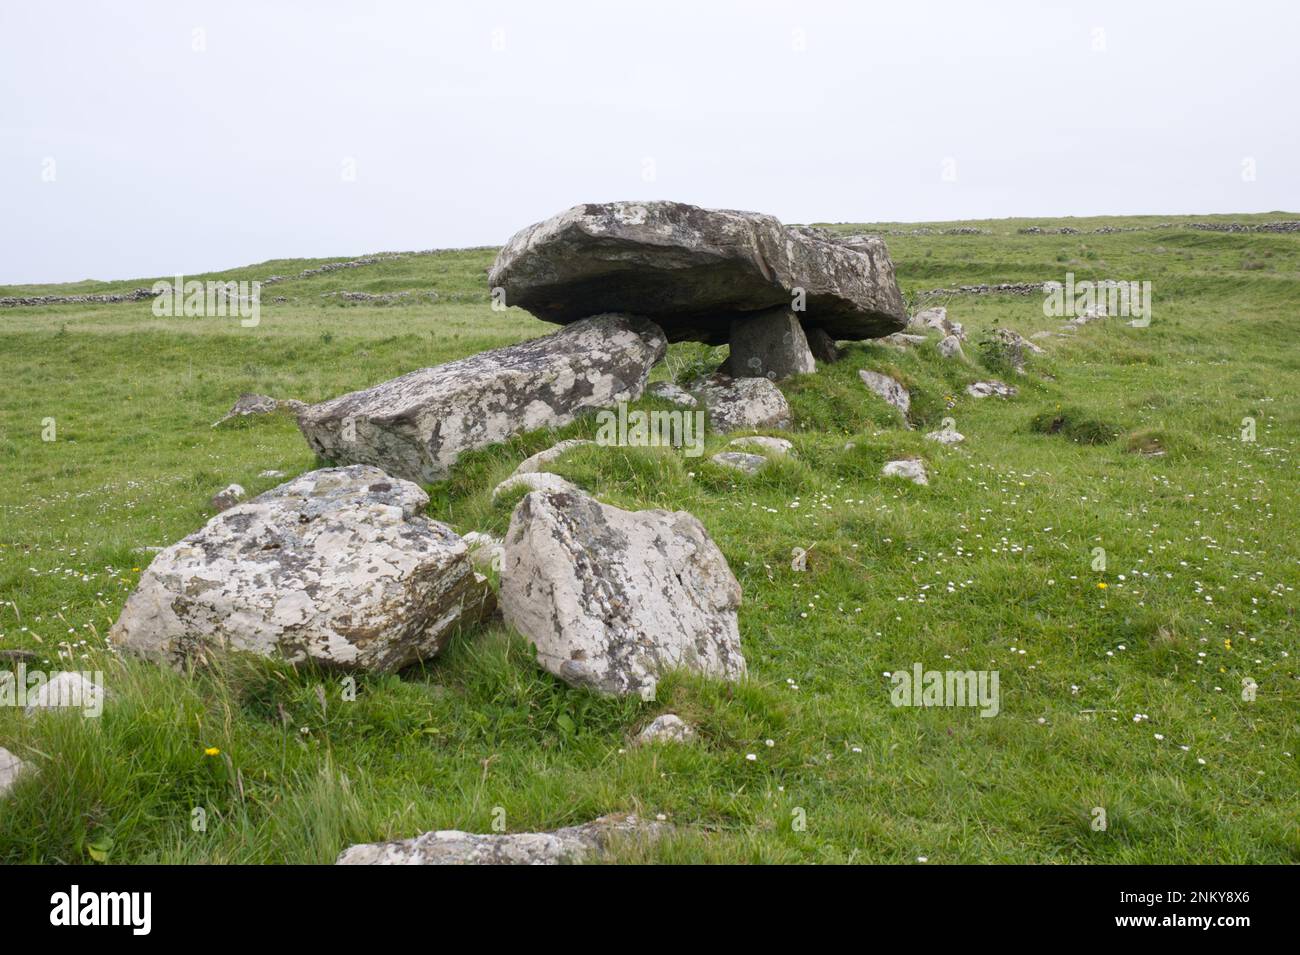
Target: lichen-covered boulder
[(737, 404), (909, 468), (614, 599), (587, 842), (770, 345), (691, 269), (338, 566), (416, 426), (891, 389)]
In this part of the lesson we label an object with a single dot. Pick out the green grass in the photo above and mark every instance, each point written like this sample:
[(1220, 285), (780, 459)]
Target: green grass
[(998, 552)]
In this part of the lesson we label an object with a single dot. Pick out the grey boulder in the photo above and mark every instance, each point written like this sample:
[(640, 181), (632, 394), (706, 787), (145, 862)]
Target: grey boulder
[(770, 345), (612, 599), (338, 566), (416, 426), (692, 269), (736, 404)]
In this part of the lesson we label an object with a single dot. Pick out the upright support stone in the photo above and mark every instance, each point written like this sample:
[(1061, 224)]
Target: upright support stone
[(769, 345)]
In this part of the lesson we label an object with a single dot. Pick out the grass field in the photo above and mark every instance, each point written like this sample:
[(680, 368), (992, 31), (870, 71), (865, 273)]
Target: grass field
[(1125, 697)]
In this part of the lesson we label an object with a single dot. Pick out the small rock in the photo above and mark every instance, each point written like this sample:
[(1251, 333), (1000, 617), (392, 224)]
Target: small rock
[(11, 766), (950, 347), (736, 404), (534, 481), (770, 445), (270, 473), (887, 388), (485, 550), (991, 388), (937, 318), (946, 436), (227, 497), (668, 728), (573, 844), (749, 463), (253, 404), (903, 340), (68, 690), (909, 468), (667, 391), (538, 461)]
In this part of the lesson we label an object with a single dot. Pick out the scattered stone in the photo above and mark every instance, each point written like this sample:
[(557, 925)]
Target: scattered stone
[(614, 599), (950, 347), (692, 270), (938, 318), (338, 566), (538, 461), (769, 445), (249, 404), (571, 845), (670, 392), (904, 340), (227, 497), (534, 481), (416, 426), (668, 728), (991, 388), (1016, 348), (822, 345), (946, 436), (889, 389), (270, 473), (67, 690), (11, 766), (737, 404), (485, 550), (909, 468), (749, 463), (770, 345)]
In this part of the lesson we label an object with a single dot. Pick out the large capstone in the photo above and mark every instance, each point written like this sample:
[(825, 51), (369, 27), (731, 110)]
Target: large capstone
[(614, 599), (692, 270), (416, 426), (338, 566)]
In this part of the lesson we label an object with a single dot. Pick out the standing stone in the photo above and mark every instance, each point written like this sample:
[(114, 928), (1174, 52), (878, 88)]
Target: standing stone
[(338, 566), (614, 599), (691, 270), (416, 426), (822, 346), (736, 404), (770, 345)]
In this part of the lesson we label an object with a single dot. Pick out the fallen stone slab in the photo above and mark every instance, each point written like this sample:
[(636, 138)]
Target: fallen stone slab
[(909, 469), (614, 599), (667, 728), (736, 404), (691, 270), (990, 389), (10, 769), (888, 388), (770, 345), (416, 426), (534, 481), (571, 845), (338, 566), (739, 461)]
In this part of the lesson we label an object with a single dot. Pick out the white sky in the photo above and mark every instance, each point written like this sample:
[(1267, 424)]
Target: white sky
[(169, 159)]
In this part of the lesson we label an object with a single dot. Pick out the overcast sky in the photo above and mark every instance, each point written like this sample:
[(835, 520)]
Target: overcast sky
[(151, 138)]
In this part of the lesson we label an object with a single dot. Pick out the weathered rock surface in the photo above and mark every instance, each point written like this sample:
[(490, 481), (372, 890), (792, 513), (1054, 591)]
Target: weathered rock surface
[(486, 551), (416, 426), (614, 599), (989, 389), (10, 768), (770, 345), (1016, 348), (570, 845), (534, 481), (668, 728), (541, 459), (775, 446), (736, 404), (691, 269), (946, 436), (739, 461), (822, 345), (670, 392), (338, 566), (950, 347), (909, 468), (888, 388), (938, 318), (249, 404), (903, 340), (227, 497)]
